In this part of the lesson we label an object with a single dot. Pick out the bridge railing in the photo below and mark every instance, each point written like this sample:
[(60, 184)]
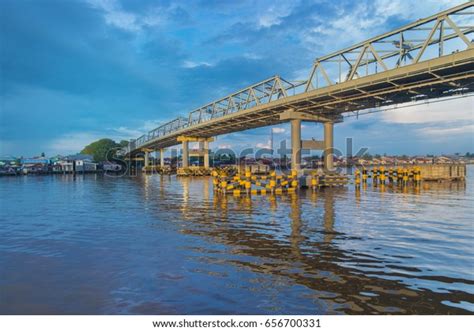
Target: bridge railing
[(443, 33), (263, 92)]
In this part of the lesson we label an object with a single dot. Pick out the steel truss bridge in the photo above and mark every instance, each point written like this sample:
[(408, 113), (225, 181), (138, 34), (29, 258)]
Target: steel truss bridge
[(429, 58)]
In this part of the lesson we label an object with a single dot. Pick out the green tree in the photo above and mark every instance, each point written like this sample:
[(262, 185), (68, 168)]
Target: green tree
[(123, 143), (99, 149)]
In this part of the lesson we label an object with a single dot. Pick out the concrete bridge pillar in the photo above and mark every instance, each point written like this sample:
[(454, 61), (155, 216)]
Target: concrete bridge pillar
[(185, 154), (295, 144), (203, 148), (147, 158), (206, 154), (162, 157), (328, 146)]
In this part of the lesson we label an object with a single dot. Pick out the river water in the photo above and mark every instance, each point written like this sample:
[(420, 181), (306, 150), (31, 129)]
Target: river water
[(165, 245)]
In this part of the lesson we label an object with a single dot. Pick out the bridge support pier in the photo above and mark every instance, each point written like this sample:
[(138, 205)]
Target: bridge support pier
[(295, 144), (328, 146), (146, 158), (206, 154), (162, 157), (185, 154), (203, 149)]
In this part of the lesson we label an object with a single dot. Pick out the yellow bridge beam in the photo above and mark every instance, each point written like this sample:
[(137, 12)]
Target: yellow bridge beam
[(194, 139)]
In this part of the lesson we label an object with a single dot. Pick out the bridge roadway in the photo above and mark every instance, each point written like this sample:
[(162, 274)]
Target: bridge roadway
[(388, 80)]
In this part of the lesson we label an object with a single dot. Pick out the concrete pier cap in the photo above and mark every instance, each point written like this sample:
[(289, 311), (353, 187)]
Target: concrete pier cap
[(327, 145)]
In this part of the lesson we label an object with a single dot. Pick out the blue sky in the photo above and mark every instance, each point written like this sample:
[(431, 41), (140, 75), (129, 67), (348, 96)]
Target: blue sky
[(73, 71)]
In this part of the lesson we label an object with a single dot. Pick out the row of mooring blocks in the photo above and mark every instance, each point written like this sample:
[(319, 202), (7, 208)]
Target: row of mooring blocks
[(381, 176), (193, 171), (157, 169), (252, 184), (273, 183)]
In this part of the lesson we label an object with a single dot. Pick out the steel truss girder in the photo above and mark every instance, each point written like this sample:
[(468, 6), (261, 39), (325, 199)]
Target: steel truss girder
[(260, 104), (369, 53)]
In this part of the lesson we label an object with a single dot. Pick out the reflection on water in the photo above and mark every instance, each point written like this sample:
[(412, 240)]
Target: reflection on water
[(167, 245)]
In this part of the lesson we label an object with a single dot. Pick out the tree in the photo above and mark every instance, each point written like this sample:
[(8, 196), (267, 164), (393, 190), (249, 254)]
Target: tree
[(124, 143), (100, 148)]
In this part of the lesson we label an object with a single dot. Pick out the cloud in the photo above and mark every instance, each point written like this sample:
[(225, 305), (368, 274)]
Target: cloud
[(454, 110), (114, 15), (264, 145), (72, 143), (275, 13), (442, 132), (134, 21), (191, 64), (366, 19), (96, 68), (278, 130), (127, 132)]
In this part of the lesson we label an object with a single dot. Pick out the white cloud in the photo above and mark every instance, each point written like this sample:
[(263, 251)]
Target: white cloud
[(278, 130), (116, 16), (449, 111), (72, 143), (224, 146), (264, 145), (127, 132), (365, 21), (123, 132), (192, 64), (151, 124), (275, 13), (442, 132)]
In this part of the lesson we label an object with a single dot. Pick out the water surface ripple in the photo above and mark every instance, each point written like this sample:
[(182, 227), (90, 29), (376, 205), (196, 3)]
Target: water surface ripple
[(165, 245)]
